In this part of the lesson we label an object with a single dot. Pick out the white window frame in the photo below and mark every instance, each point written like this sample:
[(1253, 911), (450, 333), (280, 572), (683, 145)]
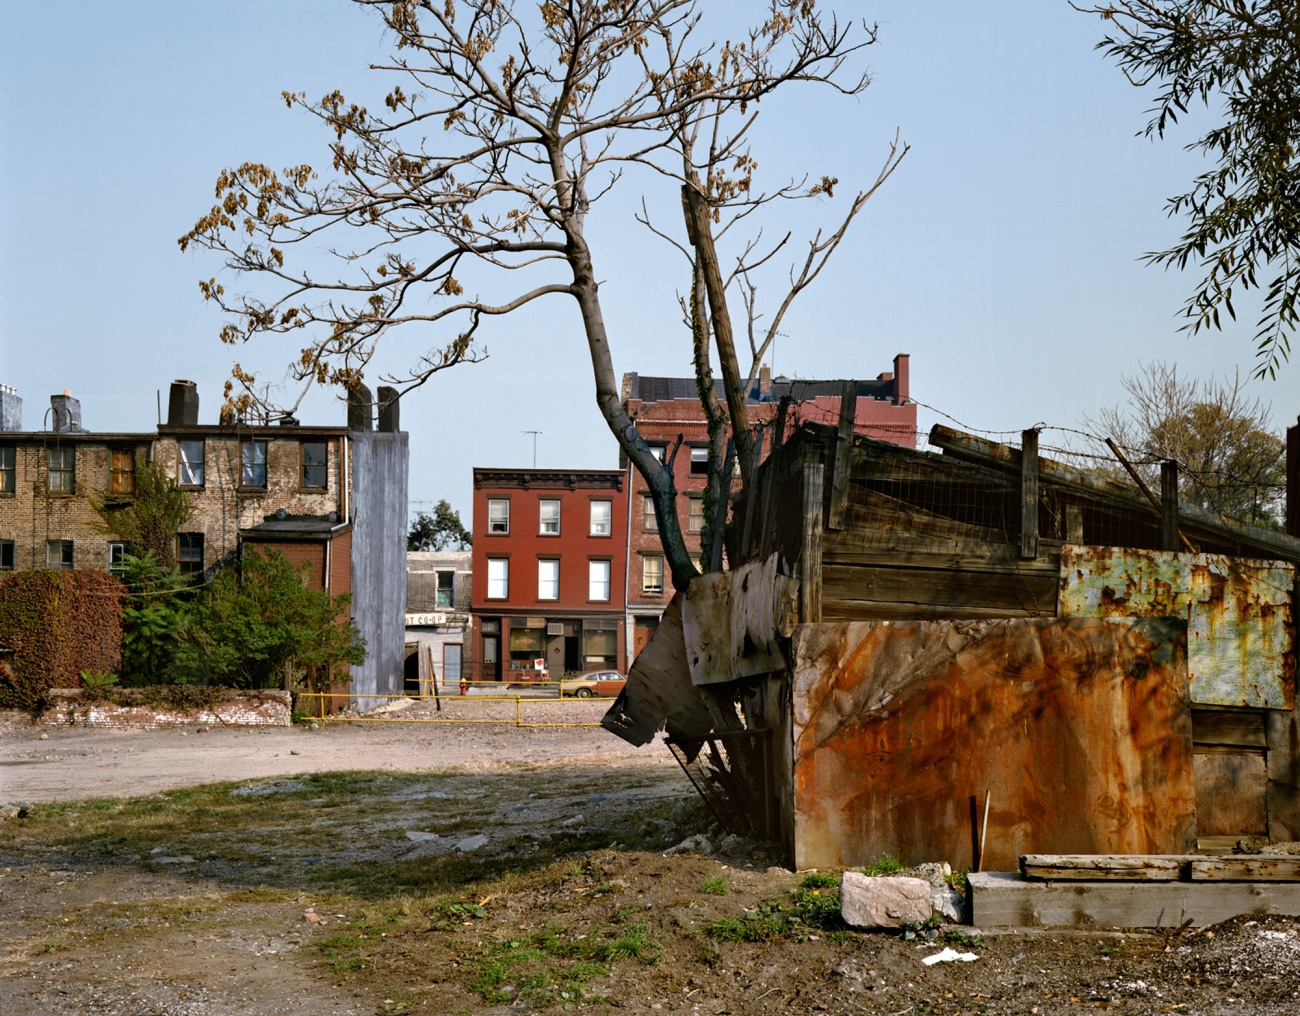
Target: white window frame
[(548, 578), (189, 471), (548, 526), (252, 464), (602, 518), (117, 549), (652, 574), (62, 475), (700, 460), (498, 578), (498, 516), (599, 572), (694, 519), (648, 521)]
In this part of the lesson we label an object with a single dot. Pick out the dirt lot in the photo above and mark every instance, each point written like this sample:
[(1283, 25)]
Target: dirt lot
[(488, 869)]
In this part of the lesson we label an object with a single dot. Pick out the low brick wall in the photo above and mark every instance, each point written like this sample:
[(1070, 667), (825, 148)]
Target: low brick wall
[(68, 707)]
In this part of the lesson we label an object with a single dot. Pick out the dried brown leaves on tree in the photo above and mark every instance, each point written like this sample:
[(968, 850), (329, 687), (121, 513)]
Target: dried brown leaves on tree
[(505, 127)]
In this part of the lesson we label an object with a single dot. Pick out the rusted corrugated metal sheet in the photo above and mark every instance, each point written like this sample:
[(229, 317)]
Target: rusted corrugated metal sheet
[(1238, 613), (1079, 728)]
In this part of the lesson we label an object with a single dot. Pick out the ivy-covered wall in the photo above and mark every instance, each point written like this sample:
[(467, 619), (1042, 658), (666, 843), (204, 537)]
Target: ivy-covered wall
[(57, 624)]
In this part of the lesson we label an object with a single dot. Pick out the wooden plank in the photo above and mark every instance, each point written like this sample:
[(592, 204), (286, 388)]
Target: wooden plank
[(1000, 900), (843, 448), (880, 610), (1004, 560), (1101, 867), (1029, 494), (810, 556), (1032, 595), (1229, 727), (1245, 868), (1073, 522), (1169, 506)]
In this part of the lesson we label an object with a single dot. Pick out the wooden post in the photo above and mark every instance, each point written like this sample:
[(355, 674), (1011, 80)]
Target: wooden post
[(843, 456), (1169, 506), (1293, 480), (750, 497), (1029, 494), (810, 556)]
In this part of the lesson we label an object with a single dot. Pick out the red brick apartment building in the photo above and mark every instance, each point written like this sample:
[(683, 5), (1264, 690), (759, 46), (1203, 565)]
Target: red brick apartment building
[(549, 573), (666, 408)]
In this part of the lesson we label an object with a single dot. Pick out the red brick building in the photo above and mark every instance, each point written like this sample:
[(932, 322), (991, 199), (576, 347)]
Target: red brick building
[(549, 573), (666, 408)]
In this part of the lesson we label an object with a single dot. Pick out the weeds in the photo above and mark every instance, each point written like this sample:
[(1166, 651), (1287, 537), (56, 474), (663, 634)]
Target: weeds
[(715, 886)]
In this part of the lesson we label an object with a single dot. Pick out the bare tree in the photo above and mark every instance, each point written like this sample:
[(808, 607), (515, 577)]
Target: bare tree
[(1230, 461), (506, 128)]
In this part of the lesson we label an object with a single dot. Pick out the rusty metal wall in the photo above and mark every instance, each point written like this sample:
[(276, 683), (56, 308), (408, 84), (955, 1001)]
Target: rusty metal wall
[(1079, 729), (1238, 614)]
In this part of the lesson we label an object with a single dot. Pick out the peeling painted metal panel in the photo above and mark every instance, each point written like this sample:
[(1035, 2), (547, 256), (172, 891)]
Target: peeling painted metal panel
[(1238, 613), (1080, 730)]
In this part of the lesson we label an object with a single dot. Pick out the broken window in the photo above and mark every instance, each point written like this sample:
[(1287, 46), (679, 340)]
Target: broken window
[(8, 468), (700, 461), (58, 554), (446, 589), (252, 459), (190, 469), (62, 461), (499, 515), (121, 471), (117, 551), (6, 555), (314, 465), (189, 555)]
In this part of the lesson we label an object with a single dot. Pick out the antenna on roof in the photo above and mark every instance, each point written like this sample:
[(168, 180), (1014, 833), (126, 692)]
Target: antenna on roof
[(534, 433)]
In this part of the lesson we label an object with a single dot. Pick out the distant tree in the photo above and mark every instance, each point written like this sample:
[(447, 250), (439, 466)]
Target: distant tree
[(1229, 462), (1244, 213), (150, 519), (442, 530), (243, 630), (508, 125)]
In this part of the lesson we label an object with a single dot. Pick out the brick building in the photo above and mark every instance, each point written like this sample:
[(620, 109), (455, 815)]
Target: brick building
[(332, 497), (438, 591), (549, 572), (668, 408)]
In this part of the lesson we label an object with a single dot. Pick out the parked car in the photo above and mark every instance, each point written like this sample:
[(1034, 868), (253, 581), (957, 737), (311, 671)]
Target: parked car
[(594, 684)]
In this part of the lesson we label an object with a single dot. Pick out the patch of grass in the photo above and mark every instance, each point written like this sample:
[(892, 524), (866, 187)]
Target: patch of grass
[(715, 886), (885, 864), (813, 907)]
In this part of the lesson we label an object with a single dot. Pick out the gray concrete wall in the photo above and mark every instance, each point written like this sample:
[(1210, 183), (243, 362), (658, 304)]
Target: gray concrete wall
[(379, 491)]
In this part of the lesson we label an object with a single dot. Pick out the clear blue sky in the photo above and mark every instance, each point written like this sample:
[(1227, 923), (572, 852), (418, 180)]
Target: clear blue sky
[(1003, 255)]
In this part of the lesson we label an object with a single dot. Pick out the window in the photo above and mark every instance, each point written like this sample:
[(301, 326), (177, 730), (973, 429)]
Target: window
[(695, 520), (659, 451), (498, 515), (700, 461), (190, 472), (648, 513), (498, 578), (549, 512), (8, 468), (6, 555), (548, 579), (598, 580), (652, 574), (63, 470), (58, 553), (252, 471), (121, 471), (189, 554), (446, 596), (315, 464), (601, 518), (117, 551)]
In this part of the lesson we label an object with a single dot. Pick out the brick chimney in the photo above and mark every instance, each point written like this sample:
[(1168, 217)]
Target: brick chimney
[(66, 413), (764, 381), (901, 391), (183, 404)]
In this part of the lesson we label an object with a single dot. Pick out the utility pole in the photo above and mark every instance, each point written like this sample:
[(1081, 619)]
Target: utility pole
[(534, 433)]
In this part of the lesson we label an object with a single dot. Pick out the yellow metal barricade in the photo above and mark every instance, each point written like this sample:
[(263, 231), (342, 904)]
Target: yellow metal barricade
[(477, 702)]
